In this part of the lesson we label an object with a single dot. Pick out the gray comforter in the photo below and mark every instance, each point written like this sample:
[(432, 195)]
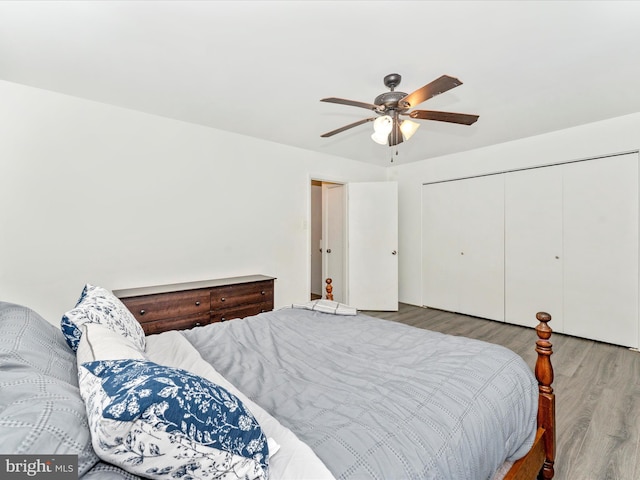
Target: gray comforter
[(41, 411), (380, 400)]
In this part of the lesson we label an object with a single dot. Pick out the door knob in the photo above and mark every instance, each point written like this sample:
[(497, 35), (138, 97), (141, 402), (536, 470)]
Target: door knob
[(328, 250), (394, 253)]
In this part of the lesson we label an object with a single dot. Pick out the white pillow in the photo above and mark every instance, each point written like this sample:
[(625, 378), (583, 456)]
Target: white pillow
[(98, 305), (101, 343)]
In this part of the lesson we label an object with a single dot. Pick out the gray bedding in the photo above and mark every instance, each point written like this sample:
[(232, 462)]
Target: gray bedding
[(41, 411), (377, 399)]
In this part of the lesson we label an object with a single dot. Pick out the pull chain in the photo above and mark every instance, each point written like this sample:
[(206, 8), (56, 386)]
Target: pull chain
[(392, 154)]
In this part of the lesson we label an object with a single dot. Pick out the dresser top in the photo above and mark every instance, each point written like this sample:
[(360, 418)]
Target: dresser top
[(178, 287)]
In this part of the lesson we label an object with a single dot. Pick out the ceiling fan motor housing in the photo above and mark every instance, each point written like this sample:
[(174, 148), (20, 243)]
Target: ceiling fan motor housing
[(390, 100)]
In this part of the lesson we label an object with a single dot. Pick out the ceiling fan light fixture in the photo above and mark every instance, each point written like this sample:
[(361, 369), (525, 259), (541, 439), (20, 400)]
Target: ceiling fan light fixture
[(381, 138), (381, 129), (408, 128)]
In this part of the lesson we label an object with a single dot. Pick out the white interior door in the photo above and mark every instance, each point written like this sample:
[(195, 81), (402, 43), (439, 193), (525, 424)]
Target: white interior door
[(601, 249), (333, 251), (533, 246), (372, 236)]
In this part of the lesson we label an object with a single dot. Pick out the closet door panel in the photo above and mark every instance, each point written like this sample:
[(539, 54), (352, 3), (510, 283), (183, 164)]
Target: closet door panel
[(463, 246), (533, 246), (601, 249), (441, 231), (482, 248)]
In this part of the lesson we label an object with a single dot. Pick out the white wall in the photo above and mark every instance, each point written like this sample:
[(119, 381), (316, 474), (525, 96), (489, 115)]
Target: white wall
[(616, 135), (100, 194)]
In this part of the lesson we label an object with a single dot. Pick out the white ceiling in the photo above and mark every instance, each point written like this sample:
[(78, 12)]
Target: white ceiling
[(259, 68)]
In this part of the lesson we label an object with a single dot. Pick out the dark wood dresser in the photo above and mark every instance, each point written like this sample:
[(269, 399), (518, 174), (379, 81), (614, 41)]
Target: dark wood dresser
[(186, 305)]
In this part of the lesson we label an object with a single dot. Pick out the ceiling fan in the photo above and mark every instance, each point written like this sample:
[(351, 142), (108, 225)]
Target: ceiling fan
[(388, 127)]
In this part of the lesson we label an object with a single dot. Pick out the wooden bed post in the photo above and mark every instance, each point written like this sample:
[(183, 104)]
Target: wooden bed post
[(546, 397), (538, 462), (329, 289)]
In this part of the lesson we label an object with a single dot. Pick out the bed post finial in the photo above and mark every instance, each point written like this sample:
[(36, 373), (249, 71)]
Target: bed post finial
[(329, 289), (544, 369), (546, 397)]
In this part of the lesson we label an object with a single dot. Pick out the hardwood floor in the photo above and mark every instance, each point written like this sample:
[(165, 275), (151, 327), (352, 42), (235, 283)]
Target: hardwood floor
[(597, 388)]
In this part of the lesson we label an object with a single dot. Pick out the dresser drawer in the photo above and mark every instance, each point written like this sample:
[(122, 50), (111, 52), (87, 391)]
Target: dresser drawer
[(185, 323), (150, 308), (241, 311), (235, 295)]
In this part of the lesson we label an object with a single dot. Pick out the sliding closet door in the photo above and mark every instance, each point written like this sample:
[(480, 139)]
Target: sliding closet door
[(563, 239), (442, 227), (601, 249), (533, 246), (463, 246), (482, 248)]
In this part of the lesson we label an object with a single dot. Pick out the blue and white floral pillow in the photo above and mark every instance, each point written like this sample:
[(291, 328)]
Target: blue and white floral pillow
[(98, 305), (163, 422)]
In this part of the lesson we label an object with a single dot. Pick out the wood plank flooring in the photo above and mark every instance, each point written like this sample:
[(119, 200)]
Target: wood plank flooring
[(597, 388)]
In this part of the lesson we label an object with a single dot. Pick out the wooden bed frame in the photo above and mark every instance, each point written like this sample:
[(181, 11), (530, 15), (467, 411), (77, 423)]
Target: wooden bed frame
[(538, 462)]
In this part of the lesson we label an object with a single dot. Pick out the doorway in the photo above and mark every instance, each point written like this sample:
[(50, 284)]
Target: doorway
[(327, 239), (354, 241)]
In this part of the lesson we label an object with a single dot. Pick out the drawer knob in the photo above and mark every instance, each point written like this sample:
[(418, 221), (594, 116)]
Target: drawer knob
[(222, 319), (142, 312), (197, 324), (222, 299), (197, 304), (262, 292)]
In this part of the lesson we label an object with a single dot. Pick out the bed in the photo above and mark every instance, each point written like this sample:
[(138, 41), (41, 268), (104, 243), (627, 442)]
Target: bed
[(332, 396)]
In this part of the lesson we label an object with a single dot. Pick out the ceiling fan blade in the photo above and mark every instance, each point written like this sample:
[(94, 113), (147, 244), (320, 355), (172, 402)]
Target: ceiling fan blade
[(462, 118), (353, 103), (347, 127), (438, 86)]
